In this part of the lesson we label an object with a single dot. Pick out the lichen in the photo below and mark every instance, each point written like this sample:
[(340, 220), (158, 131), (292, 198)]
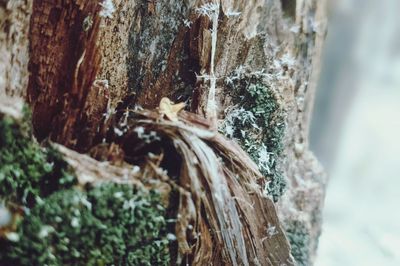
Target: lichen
[(28, 171), (87, 23), (299, 240), (110, 224), (256, 122)]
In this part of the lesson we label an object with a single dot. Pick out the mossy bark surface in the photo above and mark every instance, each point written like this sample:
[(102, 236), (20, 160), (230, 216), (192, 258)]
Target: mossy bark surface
[(248, 67)]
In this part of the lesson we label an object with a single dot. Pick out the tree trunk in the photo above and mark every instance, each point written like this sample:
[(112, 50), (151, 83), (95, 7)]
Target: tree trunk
[(14, 26), (248, 67)]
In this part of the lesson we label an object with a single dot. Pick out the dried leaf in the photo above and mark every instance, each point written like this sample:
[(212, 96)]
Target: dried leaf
[(170, 109)]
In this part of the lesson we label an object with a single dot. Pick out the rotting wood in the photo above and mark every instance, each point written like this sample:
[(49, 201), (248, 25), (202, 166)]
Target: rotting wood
[(223, 216), (221, 195), (63, 65), (152, 49)]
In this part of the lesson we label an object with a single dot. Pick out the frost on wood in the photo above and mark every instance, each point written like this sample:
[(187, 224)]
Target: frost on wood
[(228, 224), (203, 160), (256, 121), (212, 11), (188, 51), (107, 9)]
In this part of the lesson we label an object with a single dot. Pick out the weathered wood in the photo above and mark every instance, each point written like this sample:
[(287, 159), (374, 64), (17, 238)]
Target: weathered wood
[(63, 65), (86, 63), (223, 216), (14, 26), (284, 42)]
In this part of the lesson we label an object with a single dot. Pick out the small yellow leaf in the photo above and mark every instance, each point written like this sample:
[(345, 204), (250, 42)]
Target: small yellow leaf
[(170, 109)]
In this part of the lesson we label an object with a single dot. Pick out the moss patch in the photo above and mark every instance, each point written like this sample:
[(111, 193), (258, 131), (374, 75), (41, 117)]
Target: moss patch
[(110, 224), (61, 224), (256, 122), (299, 240), (27, 171)]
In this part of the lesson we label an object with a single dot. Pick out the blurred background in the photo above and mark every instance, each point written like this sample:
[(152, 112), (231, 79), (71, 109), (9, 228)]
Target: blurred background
[(356, 134)]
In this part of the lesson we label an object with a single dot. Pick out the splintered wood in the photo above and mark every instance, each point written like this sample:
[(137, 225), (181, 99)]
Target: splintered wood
[(93, 61), (223, 216)]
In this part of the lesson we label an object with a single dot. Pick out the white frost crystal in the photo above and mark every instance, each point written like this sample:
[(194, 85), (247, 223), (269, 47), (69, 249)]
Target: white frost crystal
[(75, 222), (271, 230), (171, 237), (208, 9), (12, 236), (108, 9), (45, 231), (5, 216)]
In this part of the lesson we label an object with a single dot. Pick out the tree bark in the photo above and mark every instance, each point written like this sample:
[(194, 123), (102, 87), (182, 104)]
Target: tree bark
[(14, 26), (90, 64)]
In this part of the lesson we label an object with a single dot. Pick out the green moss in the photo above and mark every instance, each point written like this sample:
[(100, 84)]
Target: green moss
[(110, 224), (257, 123), (299, 240), (27, 171)]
